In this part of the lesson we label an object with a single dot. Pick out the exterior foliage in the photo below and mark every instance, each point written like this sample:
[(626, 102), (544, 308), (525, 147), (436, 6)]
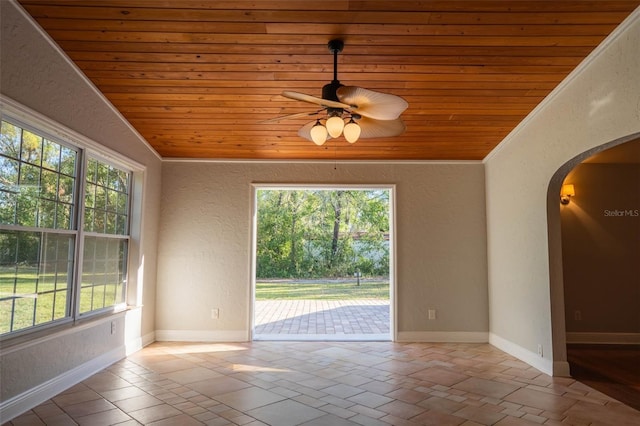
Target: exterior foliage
[(322, 233)]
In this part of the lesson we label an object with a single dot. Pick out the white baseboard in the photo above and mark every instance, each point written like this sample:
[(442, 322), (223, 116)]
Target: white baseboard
[(604, 338), (533, 359), (201, 336), (444, 336), (19, 404), (136, 344)]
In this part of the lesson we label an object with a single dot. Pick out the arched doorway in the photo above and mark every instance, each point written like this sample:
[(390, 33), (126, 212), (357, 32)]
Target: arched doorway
[(590, 295)]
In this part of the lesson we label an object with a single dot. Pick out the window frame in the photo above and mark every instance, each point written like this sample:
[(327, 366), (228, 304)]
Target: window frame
[(19, 115)]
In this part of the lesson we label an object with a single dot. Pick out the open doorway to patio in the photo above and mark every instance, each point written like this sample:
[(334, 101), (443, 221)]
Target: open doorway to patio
[(323, 263)]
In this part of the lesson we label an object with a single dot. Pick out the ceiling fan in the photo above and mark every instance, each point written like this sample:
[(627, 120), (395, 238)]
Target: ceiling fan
[(370, 114)]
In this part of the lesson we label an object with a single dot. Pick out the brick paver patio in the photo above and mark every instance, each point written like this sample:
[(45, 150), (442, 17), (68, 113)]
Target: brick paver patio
[(322, 320)]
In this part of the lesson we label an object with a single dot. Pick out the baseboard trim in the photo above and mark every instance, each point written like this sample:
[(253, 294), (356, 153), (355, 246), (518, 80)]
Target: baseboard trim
[(137, 344), (35, 396), (444, 336), (533, 359), (201, 336), (604, 338)]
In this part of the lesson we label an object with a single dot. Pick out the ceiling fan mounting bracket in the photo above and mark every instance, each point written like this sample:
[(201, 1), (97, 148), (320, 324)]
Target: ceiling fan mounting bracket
[(335, 46)]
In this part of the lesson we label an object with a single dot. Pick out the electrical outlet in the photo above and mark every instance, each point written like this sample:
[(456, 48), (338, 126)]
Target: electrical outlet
[(577, 315), (113, 327), (432, 314), (215, 313), (539, 350)]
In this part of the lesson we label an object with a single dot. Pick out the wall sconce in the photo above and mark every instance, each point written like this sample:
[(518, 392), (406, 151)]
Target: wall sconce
[(566, 193)]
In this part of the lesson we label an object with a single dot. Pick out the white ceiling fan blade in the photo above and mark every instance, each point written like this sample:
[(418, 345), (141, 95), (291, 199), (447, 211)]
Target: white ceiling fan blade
[(291, 116), (314, 100), (305, 131), (367, 103), (371, 128)]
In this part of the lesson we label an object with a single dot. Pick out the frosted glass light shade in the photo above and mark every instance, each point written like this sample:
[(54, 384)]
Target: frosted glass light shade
[(352, 131), (318, 134), (335, 126)]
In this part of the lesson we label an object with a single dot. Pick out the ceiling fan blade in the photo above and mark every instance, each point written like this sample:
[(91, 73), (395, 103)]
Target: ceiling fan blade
[(292, 116), (314, 100), (305, 131), (376, 105), (371, 128)]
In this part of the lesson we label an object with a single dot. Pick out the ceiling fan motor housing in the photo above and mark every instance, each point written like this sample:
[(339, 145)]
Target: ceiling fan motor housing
[(329, 91)]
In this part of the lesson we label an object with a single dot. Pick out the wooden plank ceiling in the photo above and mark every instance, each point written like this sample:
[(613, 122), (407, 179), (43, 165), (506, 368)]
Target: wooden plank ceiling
[(197, 78)]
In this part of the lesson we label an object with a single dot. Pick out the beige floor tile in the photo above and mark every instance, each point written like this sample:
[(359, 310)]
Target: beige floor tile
[(88, 407), (485, 387), (218, 386), (155, 413), (249, 398), (180, 420), (137, 402), (285, 413), (191, 375), (321, 383), (541, 400), (104, 418), (480, 415), (440, 376), (66, 399)]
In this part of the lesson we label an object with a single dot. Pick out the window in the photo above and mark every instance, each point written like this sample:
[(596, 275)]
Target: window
[(50, 235)]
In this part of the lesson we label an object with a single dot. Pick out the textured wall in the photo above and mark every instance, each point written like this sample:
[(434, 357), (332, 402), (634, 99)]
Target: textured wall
[(597, 105), (205, 242)]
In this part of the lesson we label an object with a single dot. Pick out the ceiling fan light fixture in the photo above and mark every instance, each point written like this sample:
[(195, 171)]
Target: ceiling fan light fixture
[(335, 124), (318, 134), (352, 131)]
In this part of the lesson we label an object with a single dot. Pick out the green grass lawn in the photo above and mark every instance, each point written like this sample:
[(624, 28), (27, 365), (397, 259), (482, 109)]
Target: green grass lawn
[(322, 290)]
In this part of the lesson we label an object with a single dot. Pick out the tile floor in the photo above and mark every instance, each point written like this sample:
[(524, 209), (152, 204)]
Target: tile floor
[(322, 319), (327, 383)]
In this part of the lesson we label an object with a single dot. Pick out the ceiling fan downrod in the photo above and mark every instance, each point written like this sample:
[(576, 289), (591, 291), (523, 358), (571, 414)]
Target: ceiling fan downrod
[(329, 90)]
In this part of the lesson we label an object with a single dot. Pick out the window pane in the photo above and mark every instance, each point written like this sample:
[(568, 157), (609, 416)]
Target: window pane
[(49, 189), (9, 172), (68, 161), (26, 211), (51, 155), (63, 216), (35, 274), (8, 203), (106, 199), (10, 137), (29, 178), (26, 184), (65, 189), (103, 273), (31, 148), (47, 214)]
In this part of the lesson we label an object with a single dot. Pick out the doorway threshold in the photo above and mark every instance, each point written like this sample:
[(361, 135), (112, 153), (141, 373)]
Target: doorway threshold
[(323, 337)]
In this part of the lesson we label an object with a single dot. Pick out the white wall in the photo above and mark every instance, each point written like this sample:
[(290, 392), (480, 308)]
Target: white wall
[(36, 75), (598, 103), (205, 244)]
